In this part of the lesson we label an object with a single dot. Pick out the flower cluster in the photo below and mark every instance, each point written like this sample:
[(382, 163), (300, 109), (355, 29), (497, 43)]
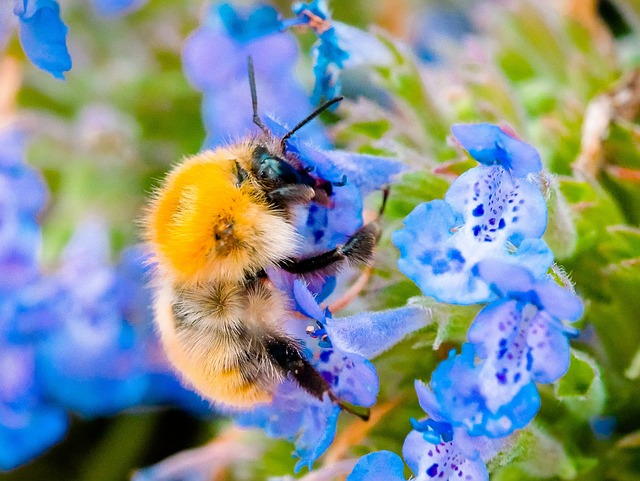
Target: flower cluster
[(482, 243), (78, 339)]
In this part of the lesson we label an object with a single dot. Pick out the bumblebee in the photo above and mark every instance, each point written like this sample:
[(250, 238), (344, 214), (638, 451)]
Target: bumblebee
[(217, 222)]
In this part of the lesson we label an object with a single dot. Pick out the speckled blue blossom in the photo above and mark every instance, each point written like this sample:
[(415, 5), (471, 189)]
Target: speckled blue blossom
[(437, 450), (43, 35), (478, 397), (490, 211), (521, 335), (434, 449), (215, 62)]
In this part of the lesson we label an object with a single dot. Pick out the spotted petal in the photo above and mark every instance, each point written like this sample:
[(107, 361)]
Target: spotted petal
[(480, 397)]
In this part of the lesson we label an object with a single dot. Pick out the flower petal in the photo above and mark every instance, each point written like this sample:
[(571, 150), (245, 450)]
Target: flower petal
[(378, 466), (490, 145), (371, 333), (43, 35)]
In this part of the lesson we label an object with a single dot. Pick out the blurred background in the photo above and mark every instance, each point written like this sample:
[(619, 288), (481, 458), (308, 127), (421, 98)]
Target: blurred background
[(86, 392)]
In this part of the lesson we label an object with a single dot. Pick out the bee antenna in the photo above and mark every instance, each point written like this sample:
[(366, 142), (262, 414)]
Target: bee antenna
[(254, 96), (308, 119)]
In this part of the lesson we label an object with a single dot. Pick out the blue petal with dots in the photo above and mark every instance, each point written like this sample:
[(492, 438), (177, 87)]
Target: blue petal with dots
[(488, 212), (486, 398), (522, 333)]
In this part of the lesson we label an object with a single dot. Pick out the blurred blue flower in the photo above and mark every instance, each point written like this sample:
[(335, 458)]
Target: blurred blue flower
[(476, 396), (521, 335), (339, 46), (29, 424), (378, 466), (43, 35), (91, 364), (116, 8), (105, 355), (490, 211), (436, 27), (435, 449), (296, 416), (215, 62)]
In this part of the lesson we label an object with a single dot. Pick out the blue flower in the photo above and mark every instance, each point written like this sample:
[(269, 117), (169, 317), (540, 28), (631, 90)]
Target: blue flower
[(215, 62), (43, 35), (479, 398), (339, 46), (378, 466), (372, 333), (299, 417), (117, 8), (296, 415), (326, 223), (91, 364), (490, 211), (29, 424), (521, 334), (436, 449)]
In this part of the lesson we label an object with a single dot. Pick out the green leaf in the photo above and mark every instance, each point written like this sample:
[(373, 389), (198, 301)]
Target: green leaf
[(581, 389)]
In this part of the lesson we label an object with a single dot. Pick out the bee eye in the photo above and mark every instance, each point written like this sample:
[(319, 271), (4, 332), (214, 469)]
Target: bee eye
[(270, 167)]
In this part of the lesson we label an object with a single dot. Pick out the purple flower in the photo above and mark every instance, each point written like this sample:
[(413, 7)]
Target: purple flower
[(43, 35), (490, 211)]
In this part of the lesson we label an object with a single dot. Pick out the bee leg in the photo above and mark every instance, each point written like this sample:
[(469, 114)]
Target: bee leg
[(358, 250), (286, 353), (291, 194)]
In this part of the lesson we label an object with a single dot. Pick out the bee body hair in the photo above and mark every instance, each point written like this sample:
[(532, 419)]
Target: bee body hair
[(218, 337), (217, 223)]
